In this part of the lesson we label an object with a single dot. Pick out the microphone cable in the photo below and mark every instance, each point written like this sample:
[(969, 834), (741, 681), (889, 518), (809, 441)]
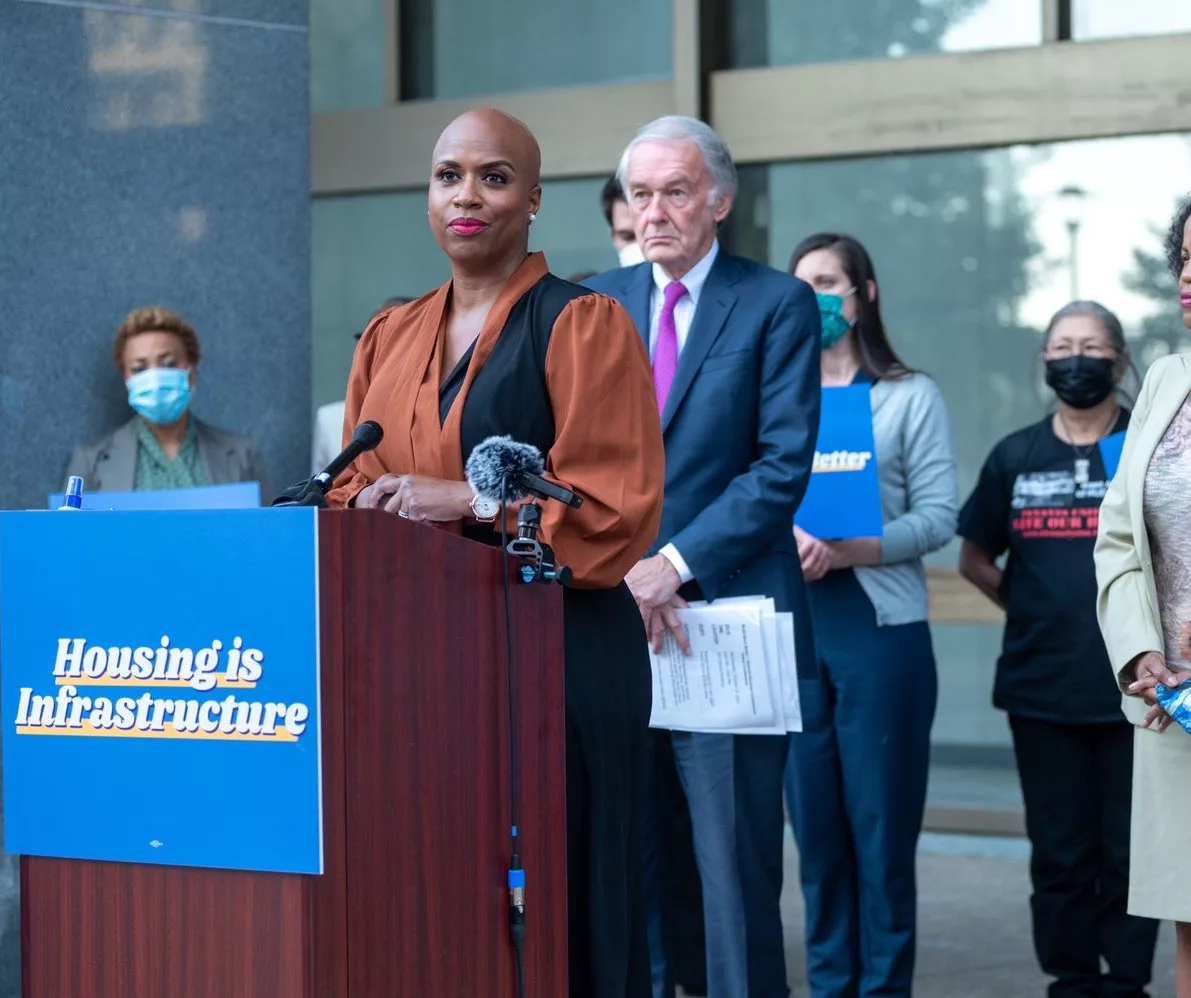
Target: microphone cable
[(516, 873)]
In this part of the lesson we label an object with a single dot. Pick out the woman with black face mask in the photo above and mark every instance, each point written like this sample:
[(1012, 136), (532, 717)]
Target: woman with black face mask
[(1038, 501)]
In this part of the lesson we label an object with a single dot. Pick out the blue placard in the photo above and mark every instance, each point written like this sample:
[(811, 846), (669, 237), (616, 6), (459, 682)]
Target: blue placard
[(237, 495), (843, 498), (1110, 452), (160, 688)]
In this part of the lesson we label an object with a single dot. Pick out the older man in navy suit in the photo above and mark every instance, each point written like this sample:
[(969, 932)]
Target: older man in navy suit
[(735, 352)]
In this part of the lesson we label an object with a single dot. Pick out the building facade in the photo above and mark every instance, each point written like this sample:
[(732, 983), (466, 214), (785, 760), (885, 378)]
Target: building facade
[(998, 157)]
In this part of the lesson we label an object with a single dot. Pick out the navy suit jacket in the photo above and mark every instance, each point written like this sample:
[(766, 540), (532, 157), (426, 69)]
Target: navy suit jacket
[(740, 427)]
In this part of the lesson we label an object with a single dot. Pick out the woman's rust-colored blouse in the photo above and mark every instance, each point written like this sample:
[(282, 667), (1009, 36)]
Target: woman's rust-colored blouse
[(579, 388)]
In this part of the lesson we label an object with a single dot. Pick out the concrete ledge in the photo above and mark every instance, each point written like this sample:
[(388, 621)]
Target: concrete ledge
[(582, 132), (968, 100)]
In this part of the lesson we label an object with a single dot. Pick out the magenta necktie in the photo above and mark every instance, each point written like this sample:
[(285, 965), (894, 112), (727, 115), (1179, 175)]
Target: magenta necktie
[(665, 351)]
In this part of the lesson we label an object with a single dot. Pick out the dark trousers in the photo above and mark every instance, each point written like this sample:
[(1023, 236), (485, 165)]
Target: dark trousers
[(1076, 782), (607, 708), (856, 790)]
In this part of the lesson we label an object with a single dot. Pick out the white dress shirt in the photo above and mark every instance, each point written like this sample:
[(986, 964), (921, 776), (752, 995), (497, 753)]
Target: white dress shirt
[(684, 311), (327, 439), (684, 315)]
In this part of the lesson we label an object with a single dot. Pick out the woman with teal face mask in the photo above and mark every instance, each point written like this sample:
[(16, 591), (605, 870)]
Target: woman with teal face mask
[(856, 778), (163, 446)]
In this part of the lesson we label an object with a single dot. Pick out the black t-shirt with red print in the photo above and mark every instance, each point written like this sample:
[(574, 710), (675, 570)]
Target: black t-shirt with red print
[(1038, 501)]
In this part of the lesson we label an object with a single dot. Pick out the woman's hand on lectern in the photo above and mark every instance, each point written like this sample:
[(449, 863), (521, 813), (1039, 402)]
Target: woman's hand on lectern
[(416, 497)]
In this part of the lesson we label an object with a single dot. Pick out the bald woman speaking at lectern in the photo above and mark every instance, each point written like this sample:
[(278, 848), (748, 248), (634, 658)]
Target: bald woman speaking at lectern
[(505, 347)]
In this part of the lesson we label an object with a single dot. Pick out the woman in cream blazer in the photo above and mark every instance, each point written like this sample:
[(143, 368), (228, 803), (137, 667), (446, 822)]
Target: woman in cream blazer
[(1143, 572)]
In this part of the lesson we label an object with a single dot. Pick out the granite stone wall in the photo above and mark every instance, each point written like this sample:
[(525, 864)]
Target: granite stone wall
[(156, 157)]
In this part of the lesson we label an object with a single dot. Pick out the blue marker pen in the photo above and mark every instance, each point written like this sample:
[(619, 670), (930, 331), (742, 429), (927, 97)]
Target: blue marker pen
[(74, 493)]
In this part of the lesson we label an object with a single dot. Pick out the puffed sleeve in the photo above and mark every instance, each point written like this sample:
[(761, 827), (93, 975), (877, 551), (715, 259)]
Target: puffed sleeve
[(351, 481), (608, 443)]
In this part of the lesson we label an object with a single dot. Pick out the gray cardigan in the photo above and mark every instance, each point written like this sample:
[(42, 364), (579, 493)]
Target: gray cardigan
[(919, 494), (109, 465)]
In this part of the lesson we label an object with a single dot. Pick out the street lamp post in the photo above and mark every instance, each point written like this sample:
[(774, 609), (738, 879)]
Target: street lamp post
[(1072, 198)]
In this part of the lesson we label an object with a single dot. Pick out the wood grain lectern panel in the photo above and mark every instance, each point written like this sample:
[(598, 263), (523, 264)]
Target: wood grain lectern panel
[(416, 810)]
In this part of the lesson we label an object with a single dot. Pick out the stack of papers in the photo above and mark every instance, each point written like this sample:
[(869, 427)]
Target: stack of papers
[(741, 676)]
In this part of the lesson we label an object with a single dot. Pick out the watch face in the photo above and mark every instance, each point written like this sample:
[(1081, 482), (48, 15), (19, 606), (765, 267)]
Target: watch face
[(485, 507)]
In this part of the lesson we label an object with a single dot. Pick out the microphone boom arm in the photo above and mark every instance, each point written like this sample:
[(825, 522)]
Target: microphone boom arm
[(535, 485)]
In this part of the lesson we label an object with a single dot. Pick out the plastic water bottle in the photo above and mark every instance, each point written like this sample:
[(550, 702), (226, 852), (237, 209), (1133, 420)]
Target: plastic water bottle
[(1176, 702), (74, 493)]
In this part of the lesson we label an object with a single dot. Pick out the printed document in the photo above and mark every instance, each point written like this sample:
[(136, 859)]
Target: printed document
[(740, 677)]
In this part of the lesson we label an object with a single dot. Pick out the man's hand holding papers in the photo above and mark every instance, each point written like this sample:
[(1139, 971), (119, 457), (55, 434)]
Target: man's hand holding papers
[(739, 676)]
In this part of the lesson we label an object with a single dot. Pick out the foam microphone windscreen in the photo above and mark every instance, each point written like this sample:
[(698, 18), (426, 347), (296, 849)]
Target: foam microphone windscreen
[(496, 466)]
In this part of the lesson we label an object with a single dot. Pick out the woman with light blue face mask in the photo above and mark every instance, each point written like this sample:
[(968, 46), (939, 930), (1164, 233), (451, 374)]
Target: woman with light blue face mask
[(856, 778), (163, 446)]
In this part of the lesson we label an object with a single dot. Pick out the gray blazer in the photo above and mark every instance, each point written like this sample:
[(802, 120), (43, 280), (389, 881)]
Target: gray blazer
[(110, 464)]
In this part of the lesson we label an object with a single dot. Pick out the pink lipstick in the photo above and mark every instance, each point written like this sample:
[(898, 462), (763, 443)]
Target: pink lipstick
[(467, 226)]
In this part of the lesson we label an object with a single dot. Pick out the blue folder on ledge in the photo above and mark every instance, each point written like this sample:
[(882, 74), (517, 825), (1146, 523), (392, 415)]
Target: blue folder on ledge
[(238, 495)]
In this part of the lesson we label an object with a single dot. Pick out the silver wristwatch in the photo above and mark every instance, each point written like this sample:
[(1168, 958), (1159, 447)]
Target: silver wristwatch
[(484, 509)]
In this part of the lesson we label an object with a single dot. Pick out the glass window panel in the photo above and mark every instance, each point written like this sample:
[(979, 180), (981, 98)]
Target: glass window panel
[(965, 716), (530, 45), (372, 247), (570, 228), (347, 54), (365, 249), (1092, 19), (975, 248), (974, 251), (789, 33)]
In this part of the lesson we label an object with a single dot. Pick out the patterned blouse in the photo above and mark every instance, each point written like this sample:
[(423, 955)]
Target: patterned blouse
[(156, 471), (1167, 509)]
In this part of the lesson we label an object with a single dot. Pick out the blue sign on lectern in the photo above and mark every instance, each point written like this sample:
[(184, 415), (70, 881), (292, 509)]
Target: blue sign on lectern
[(159, 682), (236, 495), (843, 498)]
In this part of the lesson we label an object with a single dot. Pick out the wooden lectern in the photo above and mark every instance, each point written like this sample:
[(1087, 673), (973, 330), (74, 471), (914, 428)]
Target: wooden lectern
[(412, 903)]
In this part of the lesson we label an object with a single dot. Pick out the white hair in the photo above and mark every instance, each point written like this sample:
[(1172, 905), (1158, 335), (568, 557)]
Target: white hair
[(679, 128)]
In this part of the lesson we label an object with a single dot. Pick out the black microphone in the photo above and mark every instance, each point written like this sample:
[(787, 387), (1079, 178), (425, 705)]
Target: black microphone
[(504, 470), (367, 437), (312, 491)]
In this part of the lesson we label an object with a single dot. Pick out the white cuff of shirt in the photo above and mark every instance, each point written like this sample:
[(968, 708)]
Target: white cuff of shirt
[(670, 553)]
